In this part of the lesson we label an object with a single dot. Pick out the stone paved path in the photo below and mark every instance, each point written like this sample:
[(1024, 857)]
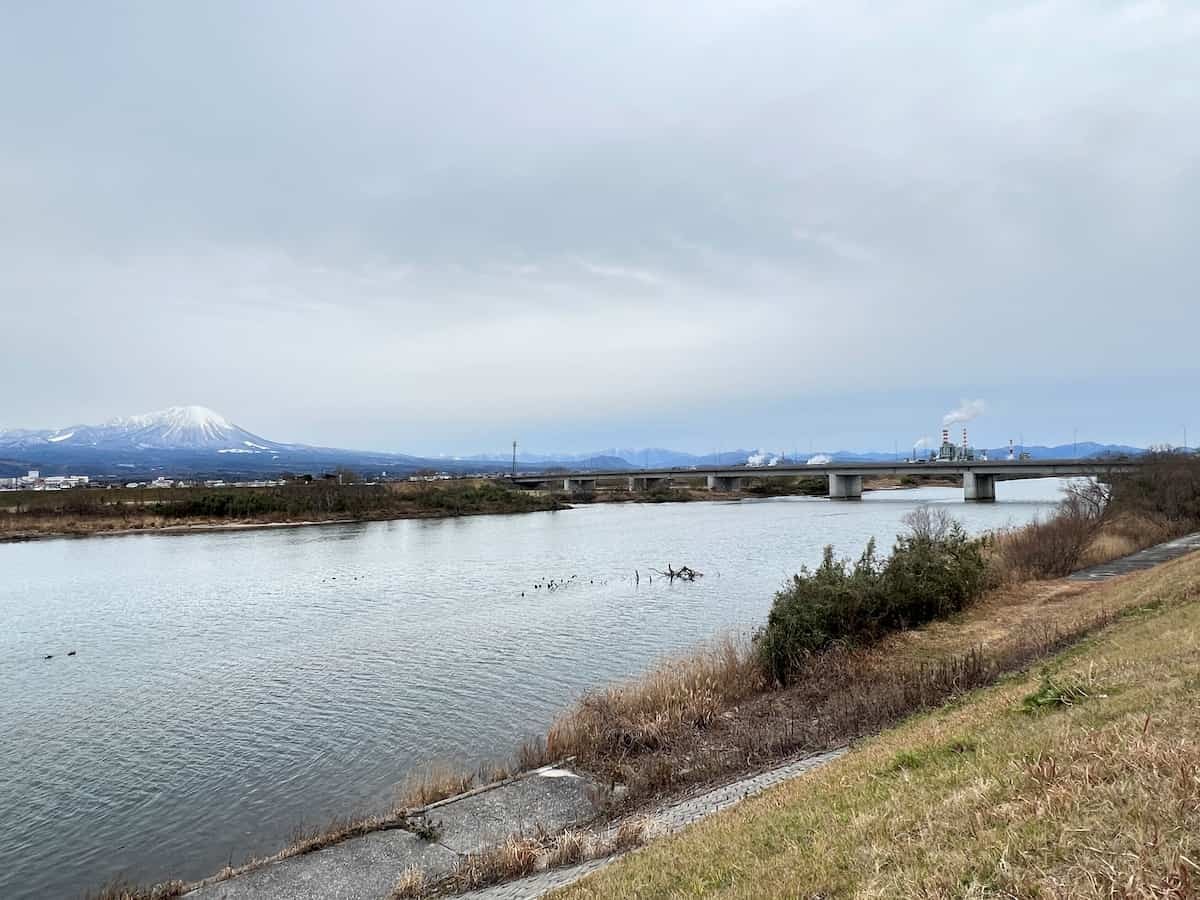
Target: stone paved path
[(668, 820), (1144, 559), (366, 868)]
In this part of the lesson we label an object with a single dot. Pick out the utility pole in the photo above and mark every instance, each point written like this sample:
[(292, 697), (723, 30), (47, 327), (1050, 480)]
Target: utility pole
[(1075, 443), (514, 459)]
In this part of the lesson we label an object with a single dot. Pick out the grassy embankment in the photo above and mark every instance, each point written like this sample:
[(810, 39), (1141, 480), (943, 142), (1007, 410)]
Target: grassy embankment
[(95, 510), (1079, 779)]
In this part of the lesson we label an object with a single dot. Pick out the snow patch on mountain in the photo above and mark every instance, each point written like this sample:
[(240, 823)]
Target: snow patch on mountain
[(186, 426)]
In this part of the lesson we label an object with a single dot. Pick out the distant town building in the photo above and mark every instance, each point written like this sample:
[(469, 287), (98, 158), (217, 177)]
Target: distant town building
[(33, 481)]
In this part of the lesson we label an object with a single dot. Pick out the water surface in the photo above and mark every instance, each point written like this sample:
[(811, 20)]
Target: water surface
[(230, 685)]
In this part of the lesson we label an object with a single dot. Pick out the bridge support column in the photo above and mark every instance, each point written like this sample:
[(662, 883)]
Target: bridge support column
[(724, 483), (979, 488), (648, 482), (571, 485), (845, 487)]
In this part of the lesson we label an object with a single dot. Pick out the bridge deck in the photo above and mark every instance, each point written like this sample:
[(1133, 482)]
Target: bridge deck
[(1024, 468)]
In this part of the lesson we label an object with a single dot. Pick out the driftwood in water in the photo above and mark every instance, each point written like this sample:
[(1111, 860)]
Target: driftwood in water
[(687, 573)]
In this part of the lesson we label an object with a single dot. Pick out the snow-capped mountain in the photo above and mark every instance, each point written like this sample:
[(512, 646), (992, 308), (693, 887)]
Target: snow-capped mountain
[(188, 441), (175, 428)]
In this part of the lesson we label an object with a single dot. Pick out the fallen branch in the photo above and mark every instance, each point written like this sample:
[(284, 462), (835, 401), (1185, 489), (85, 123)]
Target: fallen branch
[(687, 573)]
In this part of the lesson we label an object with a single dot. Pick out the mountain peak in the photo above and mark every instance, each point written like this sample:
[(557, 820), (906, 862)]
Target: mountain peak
[(179, 426), (179, 417)]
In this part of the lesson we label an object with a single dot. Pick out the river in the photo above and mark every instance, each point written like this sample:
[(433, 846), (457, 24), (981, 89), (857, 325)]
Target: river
[(229, 685)]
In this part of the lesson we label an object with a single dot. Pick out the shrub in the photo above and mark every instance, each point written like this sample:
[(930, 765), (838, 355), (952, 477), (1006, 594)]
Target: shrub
[(1055, 546), (1166, 486), (834, 602), (933, 571)]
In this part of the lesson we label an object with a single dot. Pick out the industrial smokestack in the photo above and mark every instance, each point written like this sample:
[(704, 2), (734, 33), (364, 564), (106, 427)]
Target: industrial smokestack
[(945, 436), (964, 437)]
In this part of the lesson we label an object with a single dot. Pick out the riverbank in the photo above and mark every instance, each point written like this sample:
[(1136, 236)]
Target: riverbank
[(30, 515), (855, 694), (119, 511), (1080, 778)]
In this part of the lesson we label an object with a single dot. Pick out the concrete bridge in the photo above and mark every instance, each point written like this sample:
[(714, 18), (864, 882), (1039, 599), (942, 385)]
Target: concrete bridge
[(979, 477)]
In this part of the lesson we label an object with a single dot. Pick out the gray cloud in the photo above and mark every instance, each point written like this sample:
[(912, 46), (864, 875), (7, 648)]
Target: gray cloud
[(380, 221)]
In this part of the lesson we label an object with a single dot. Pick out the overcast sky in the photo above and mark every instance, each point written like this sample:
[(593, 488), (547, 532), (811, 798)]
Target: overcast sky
[(438, 227)]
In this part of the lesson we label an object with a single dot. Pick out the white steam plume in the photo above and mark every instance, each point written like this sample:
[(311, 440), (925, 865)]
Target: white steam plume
[(921, 443), (820, 459), (965, 413)]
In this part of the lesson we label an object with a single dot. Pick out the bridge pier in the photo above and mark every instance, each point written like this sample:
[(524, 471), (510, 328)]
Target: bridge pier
[(572, 485), (978, 487), (845, 487), (648, 482), (724, 483)]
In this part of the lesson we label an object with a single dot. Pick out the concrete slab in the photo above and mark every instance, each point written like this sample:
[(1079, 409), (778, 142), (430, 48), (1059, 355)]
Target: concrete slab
[(549, 798), (363, 868), (1144, 559)]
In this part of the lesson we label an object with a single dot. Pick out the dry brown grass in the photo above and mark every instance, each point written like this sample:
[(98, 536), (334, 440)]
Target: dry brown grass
[(520, 856), (629, 834), (1099, 797), (516, 857), (646, 713), (410, 885), (1126, 534), (431, 783), (569, 848), (119, 889)]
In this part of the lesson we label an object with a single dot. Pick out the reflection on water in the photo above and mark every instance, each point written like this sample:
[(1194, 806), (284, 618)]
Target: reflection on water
[(228, 686)]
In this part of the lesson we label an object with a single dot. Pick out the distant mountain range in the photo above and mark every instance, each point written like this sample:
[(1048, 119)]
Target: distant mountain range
[(192, 441)]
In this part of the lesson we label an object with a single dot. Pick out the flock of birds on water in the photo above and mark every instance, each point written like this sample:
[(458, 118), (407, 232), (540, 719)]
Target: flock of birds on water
[(550, 584), (554, 584), (684, 573)]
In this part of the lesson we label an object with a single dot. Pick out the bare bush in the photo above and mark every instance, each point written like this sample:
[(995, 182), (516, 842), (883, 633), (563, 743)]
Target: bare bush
[(1166, 486), (1051, 547), (930, 523)]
